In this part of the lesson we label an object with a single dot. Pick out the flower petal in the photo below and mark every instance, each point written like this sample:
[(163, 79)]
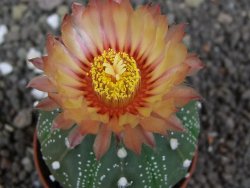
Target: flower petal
[(42, 83), (102, 141), (37, 62), (114, 125), (175, 55), (172, 77), (61, 122), (47, 105), (153, 124), (56, 98), (195, 63), (164, 108), (121, 15), (174, 124), (71, 39), (148, 137), (176, 33), (182, 95), (128, 118), (89, 127), (58, 54), (74, 138), (149, 33), (133, 139), (77, 10)]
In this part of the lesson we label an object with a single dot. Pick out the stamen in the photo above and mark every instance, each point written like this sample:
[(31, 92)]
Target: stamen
[(115, 77)]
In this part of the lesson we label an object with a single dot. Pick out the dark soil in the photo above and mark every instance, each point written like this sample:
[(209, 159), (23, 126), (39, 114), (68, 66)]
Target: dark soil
[(218, 30)]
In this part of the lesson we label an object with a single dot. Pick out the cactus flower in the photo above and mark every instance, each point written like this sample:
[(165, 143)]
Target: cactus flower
[(116, 70)]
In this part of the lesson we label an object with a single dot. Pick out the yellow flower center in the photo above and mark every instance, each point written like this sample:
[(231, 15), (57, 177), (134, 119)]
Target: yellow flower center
[(115, 77)]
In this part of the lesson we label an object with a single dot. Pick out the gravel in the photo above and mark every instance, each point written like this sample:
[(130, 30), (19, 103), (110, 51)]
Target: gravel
[(218, 30)]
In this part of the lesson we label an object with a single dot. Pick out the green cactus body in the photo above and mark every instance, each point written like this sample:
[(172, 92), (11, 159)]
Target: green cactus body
[(162, 166)]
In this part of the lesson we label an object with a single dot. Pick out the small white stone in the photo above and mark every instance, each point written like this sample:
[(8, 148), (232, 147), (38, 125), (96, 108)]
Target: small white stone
[(53, 21), (5, 68), (122, 182), (3, 32), (38, 94), (55, 165), (174, 143), (33, 53), (52, 178), (122, 153), (194, 3), (186, 163)]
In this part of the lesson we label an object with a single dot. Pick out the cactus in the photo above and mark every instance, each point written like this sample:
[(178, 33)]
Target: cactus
[(162, 166)]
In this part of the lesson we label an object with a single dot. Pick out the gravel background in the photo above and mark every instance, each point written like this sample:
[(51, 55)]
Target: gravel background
[(218, 30)]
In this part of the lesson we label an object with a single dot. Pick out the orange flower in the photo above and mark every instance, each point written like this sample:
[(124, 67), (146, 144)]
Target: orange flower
[(116, 70)]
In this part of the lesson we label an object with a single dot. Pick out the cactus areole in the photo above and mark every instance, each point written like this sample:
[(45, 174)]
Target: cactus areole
[(118, 112)]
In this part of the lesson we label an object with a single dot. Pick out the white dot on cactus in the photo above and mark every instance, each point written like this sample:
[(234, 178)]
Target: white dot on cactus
[(55, 165), (122, 182), (102, 177), (122, 153), (174, 143), (186, 163), (53, 21), (52, 178), (163, 158)]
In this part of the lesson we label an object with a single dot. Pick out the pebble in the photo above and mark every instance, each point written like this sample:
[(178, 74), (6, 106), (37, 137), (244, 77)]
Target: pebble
[(26, 162), (18, 11), (5, 68), (225, 18), (53, 21), (3, 32), (246, 94), (62, 10), (33, 53), (13, 34), (38, 94), (23, 118), (194, 3), (48, 4)]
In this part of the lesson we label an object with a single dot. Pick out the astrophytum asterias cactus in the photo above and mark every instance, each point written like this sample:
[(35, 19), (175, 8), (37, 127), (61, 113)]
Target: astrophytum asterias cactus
[(116, 84)]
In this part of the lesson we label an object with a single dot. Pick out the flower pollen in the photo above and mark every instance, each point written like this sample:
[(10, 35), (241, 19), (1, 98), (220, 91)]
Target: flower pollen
[(115, 77)]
